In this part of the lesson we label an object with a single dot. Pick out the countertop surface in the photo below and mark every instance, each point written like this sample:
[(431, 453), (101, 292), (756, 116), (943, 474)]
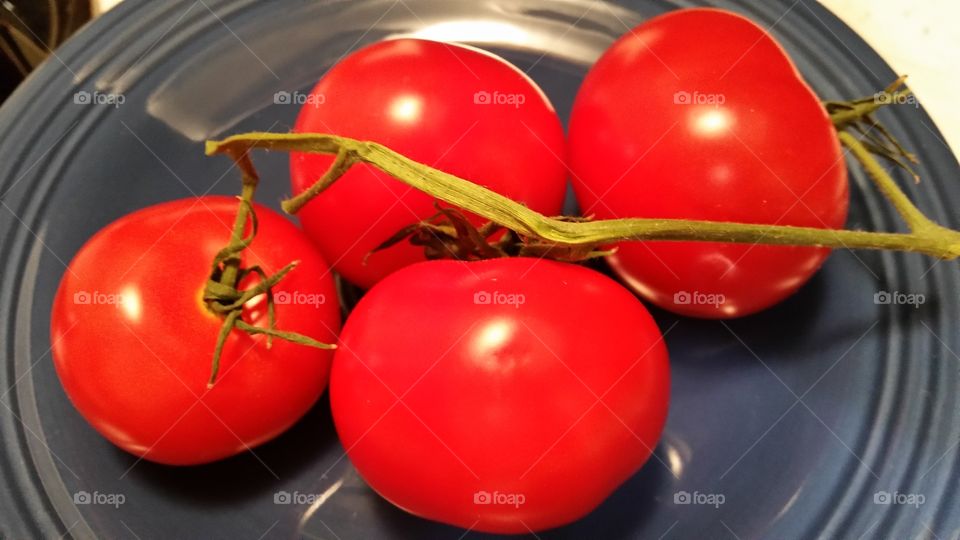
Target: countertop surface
[(918, 39)]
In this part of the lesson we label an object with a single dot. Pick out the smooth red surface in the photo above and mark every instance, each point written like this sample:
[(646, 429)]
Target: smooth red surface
[(559, 398), (767, 154), (137, 370), (419, 98)]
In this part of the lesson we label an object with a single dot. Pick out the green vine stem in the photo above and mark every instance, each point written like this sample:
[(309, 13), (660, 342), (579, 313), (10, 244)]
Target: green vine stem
[(221, 294), (924, 237)]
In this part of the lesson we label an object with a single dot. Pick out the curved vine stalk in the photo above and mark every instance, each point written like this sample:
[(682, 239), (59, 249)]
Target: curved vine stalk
[(924, 235)]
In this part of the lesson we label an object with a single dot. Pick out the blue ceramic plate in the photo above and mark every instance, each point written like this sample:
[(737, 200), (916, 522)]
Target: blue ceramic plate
[(831, 415)]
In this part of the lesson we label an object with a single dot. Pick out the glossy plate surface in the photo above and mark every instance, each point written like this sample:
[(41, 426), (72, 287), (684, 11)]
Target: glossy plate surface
[(823, 417)]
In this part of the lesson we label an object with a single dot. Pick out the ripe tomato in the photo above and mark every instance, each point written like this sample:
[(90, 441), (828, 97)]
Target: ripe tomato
[(458, 109), (133, 339), (699, 114), (499, 395)]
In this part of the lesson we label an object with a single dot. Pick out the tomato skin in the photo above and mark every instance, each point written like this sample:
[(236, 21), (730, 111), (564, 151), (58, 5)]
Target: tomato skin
[(133, 340), (418, 97), (498, 397), (767, 154)]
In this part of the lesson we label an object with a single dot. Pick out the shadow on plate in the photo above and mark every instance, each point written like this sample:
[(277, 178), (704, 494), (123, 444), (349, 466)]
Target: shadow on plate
[(619, 516), (246, 476)]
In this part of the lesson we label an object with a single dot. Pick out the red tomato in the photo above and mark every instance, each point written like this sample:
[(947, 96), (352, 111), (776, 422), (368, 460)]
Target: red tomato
[(499, 395), (699, 114), (455, 108), (133, 339)]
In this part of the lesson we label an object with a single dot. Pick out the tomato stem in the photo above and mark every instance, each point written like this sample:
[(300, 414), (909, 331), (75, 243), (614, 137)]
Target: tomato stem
[(221, 294), (244, 212), (925, 236)]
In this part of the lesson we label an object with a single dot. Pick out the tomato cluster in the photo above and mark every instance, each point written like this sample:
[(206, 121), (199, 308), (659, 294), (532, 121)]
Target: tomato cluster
[(503, 395)]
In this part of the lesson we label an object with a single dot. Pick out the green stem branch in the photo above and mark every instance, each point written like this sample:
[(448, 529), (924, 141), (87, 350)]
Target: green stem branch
[(925, 236), (913, 217)]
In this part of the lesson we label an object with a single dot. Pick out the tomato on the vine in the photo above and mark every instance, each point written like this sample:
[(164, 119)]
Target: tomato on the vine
[(133, 338), (503, 395), (700, 114), (458, 109)]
